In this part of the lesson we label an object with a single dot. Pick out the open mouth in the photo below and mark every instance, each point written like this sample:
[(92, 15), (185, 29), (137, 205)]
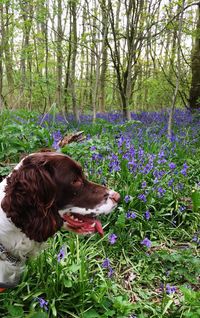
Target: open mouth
[(82, 224)]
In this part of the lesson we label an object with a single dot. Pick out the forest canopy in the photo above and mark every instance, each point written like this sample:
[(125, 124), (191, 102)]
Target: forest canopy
[(99, 56)]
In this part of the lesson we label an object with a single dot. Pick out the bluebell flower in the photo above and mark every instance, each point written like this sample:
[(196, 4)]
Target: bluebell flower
[(146, 242), (172, 165), (93, 148), (170, 182), (144, 184), (112, 238), (195, 238), (131, 215), (57, 136), (147, 215), (184, 170), (114, 164), (42, 302), (61, 254), (161, 192), (140, 153), (161, 154), (110, 272), (182, 208), (106, 263), (170, 289), (127, 198), (142, 197)]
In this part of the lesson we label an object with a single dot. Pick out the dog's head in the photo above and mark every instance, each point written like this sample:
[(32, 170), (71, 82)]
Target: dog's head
[(48, 190)]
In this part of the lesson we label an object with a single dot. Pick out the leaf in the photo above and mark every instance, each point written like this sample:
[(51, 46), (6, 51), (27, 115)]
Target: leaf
[(196, 200), (67, 283), (91, 314), (74, 268), (37, 315), (15, 311)]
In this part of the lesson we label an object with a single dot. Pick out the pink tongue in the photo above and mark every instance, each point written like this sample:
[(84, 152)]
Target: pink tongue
[(98, 227), (84, 226)]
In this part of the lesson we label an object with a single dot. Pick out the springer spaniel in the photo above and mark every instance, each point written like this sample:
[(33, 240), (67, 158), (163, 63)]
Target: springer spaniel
[(44, 192)]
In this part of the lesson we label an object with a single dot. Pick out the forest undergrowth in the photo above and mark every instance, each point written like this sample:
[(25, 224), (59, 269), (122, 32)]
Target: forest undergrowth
[(147, 264)]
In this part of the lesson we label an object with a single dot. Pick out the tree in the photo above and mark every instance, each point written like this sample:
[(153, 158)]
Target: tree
[(178, 39), (194, 98)]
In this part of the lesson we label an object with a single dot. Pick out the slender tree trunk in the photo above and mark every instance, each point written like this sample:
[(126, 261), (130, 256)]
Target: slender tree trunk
[(74, 55), (104, 56), (59, 54), (68, 68), (174, 97), (194, 98), (1, 56), (7, 53)]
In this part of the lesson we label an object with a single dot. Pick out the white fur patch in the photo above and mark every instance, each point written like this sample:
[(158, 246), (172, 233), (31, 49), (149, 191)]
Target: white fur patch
[(102, 208)]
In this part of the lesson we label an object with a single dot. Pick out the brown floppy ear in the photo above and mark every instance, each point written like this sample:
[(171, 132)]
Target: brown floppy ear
[(30, 202)]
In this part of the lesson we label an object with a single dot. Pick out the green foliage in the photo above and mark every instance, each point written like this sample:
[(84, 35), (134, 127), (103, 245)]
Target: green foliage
[(138, 278), (20, 134)]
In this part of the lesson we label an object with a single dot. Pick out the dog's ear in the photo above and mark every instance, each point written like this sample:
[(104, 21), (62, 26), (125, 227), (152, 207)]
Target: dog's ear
[(30, 202)]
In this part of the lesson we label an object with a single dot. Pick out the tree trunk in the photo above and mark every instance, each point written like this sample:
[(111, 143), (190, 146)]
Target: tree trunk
[(104, 57), (194, 99), (59, 55), (174, 97), (7, 54), (74, 55), (1, 57)]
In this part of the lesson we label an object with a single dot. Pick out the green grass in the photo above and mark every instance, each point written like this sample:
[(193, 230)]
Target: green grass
[(137, 279)]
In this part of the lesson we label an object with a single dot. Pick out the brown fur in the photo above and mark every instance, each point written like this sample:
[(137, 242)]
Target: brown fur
[(43, 184)]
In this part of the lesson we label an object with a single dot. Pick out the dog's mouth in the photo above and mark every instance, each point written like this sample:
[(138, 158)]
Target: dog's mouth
[(83, 224)]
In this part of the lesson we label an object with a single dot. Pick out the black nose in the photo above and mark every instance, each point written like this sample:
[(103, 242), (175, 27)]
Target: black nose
[(115, 196)]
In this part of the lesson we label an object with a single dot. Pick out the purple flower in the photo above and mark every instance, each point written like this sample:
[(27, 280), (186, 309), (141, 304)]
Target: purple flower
[(42, 302), (93, 148), (110, 272), (57, 136), (61, 254), (170, 289), (182, 208), (146, 242), (196, 239), (131, 215), (144, 184), (106, 263), (114, 164), (112, 238), (172, 165), (142, 197), (161, 192), (184, 170), (170, 182), (147, 215), (161, 154), (127, 198)]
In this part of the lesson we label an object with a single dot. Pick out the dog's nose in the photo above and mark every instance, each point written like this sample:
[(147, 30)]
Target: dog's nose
[(115, 196)]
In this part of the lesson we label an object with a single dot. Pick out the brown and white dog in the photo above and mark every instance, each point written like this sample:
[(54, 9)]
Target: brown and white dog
[(46, 191)]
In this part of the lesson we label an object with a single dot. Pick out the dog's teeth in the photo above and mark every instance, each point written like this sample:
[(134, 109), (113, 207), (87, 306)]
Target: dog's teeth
[(72, 217), (93, 224)]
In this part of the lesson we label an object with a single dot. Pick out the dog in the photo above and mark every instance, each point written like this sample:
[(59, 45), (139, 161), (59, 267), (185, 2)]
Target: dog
[(45, 192)]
